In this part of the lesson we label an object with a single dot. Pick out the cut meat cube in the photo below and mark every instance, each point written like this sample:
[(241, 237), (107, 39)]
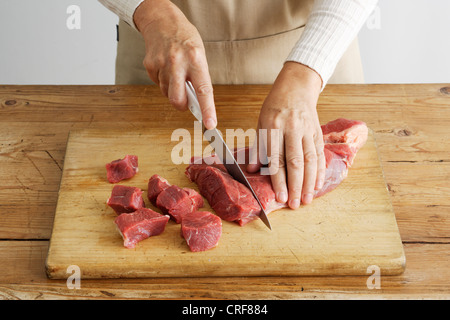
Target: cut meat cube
[(196, 198), (172, 199), (178, 202), (139, 225), (125, 199), (201, 230), (122, 169), (232, 201), (156, 184)]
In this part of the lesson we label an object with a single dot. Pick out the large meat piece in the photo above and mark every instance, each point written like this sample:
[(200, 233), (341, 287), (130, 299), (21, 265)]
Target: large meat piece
[(343, 138), (125, 199), (171, 199), (139, 225), (201, 230), (232, 201), (122, 169)]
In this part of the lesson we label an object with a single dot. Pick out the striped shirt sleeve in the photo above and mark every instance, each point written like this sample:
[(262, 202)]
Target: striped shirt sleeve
[(331, 27), (123, 8)]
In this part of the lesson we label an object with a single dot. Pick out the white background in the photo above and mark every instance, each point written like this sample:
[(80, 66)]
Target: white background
[(405, 41)]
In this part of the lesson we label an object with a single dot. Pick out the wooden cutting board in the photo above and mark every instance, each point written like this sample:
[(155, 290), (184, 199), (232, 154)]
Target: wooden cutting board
[(341, 233)]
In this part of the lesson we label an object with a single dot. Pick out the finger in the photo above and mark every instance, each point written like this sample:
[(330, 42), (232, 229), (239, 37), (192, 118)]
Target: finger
[(310, 171), (254, 163), (321, 167), (203, 88), (152, 71), (205, 97), (177, 92), (295, 167), (163, 82), (275, 153)]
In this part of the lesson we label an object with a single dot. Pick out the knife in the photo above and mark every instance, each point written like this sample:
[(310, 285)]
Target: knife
[(221, 149)]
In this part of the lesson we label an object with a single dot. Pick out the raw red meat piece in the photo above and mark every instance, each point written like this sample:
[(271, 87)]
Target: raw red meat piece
[(201, 230), (140, 225), (178, 202), (232, 201), (122, 169), (351, 132), (156, 184), (343, 138), (196, 198), (125, 199), (172, 199)]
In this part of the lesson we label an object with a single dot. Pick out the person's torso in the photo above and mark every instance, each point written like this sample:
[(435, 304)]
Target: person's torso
[(230, 20), (246, 41)]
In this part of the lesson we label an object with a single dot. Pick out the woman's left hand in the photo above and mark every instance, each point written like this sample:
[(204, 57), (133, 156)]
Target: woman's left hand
[(296, 156)]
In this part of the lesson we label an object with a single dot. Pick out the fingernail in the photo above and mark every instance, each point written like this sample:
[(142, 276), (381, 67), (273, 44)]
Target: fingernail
[(295, 203), (210, 123), (307, 198), (282, 197), (252, 168)]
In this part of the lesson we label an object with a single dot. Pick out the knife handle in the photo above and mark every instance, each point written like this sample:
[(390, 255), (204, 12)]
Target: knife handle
[(193, 104)]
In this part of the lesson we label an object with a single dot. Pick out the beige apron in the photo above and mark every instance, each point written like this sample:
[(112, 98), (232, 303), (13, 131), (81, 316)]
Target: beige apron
[(246, 41)]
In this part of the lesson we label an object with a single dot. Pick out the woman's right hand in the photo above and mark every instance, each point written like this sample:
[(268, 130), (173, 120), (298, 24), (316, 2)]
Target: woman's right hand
[(174, 54)]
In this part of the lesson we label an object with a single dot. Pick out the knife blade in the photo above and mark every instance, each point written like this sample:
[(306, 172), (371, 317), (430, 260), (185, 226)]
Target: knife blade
[(221, 149)]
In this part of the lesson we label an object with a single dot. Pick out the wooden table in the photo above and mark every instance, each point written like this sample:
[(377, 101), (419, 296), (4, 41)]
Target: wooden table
[(411, 125)]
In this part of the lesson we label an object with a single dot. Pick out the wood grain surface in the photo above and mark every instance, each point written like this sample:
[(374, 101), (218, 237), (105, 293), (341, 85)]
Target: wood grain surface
[(410, 123)]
